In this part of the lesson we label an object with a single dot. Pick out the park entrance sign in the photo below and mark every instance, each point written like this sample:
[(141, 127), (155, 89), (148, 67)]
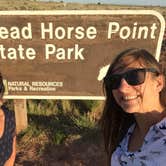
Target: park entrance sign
[(66, 54)]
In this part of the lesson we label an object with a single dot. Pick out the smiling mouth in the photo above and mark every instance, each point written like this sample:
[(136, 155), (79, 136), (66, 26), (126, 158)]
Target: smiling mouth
[(128, 98)]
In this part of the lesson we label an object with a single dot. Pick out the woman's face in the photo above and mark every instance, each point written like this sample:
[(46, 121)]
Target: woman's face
[(140, 98)]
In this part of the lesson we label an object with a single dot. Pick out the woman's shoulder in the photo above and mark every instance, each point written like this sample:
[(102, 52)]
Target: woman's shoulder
[(10, 124), (7, 112)]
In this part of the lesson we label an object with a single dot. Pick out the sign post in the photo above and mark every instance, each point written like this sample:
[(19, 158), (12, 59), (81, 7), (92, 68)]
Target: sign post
[(20, 109)]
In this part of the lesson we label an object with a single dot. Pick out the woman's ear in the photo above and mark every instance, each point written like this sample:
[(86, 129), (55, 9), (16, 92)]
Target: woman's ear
[(160, 82)]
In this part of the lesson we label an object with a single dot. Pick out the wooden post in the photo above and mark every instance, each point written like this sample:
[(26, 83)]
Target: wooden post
[(20, 109)]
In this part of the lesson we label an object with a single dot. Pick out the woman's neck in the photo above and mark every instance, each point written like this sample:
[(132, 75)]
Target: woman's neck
[(146, 120), (143, 123)]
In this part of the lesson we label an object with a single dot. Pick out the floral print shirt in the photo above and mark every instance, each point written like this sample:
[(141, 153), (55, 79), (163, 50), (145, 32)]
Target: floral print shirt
[(152, 152)]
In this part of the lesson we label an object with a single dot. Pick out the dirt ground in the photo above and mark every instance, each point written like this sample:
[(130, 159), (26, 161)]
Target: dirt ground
[(74, 152)]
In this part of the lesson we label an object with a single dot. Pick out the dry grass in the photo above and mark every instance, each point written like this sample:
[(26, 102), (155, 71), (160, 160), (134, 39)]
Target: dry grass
[(41, 5)]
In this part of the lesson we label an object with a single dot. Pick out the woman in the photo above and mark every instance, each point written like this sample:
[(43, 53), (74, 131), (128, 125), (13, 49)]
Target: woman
[(134, 115), (7, 133)]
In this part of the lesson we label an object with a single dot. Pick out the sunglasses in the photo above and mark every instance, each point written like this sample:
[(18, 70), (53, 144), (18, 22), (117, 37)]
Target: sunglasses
[(133, 77)]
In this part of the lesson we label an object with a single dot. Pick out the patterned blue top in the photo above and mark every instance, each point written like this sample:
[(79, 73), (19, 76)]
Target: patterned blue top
[(6, 140), (152, 152)]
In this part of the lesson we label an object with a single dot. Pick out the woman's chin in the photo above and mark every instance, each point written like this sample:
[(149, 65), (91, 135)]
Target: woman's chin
[(131, 109)]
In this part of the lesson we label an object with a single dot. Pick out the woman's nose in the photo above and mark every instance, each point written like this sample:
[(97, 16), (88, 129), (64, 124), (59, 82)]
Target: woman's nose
[(123, 85)]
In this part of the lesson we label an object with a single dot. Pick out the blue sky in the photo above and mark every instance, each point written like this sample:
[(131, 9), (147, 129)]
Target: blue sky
[(127, 2)]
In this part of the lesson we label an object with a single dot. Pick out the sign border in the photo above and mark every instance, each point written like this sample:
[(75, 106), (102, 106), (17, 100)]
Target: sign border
[(86, 12)]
